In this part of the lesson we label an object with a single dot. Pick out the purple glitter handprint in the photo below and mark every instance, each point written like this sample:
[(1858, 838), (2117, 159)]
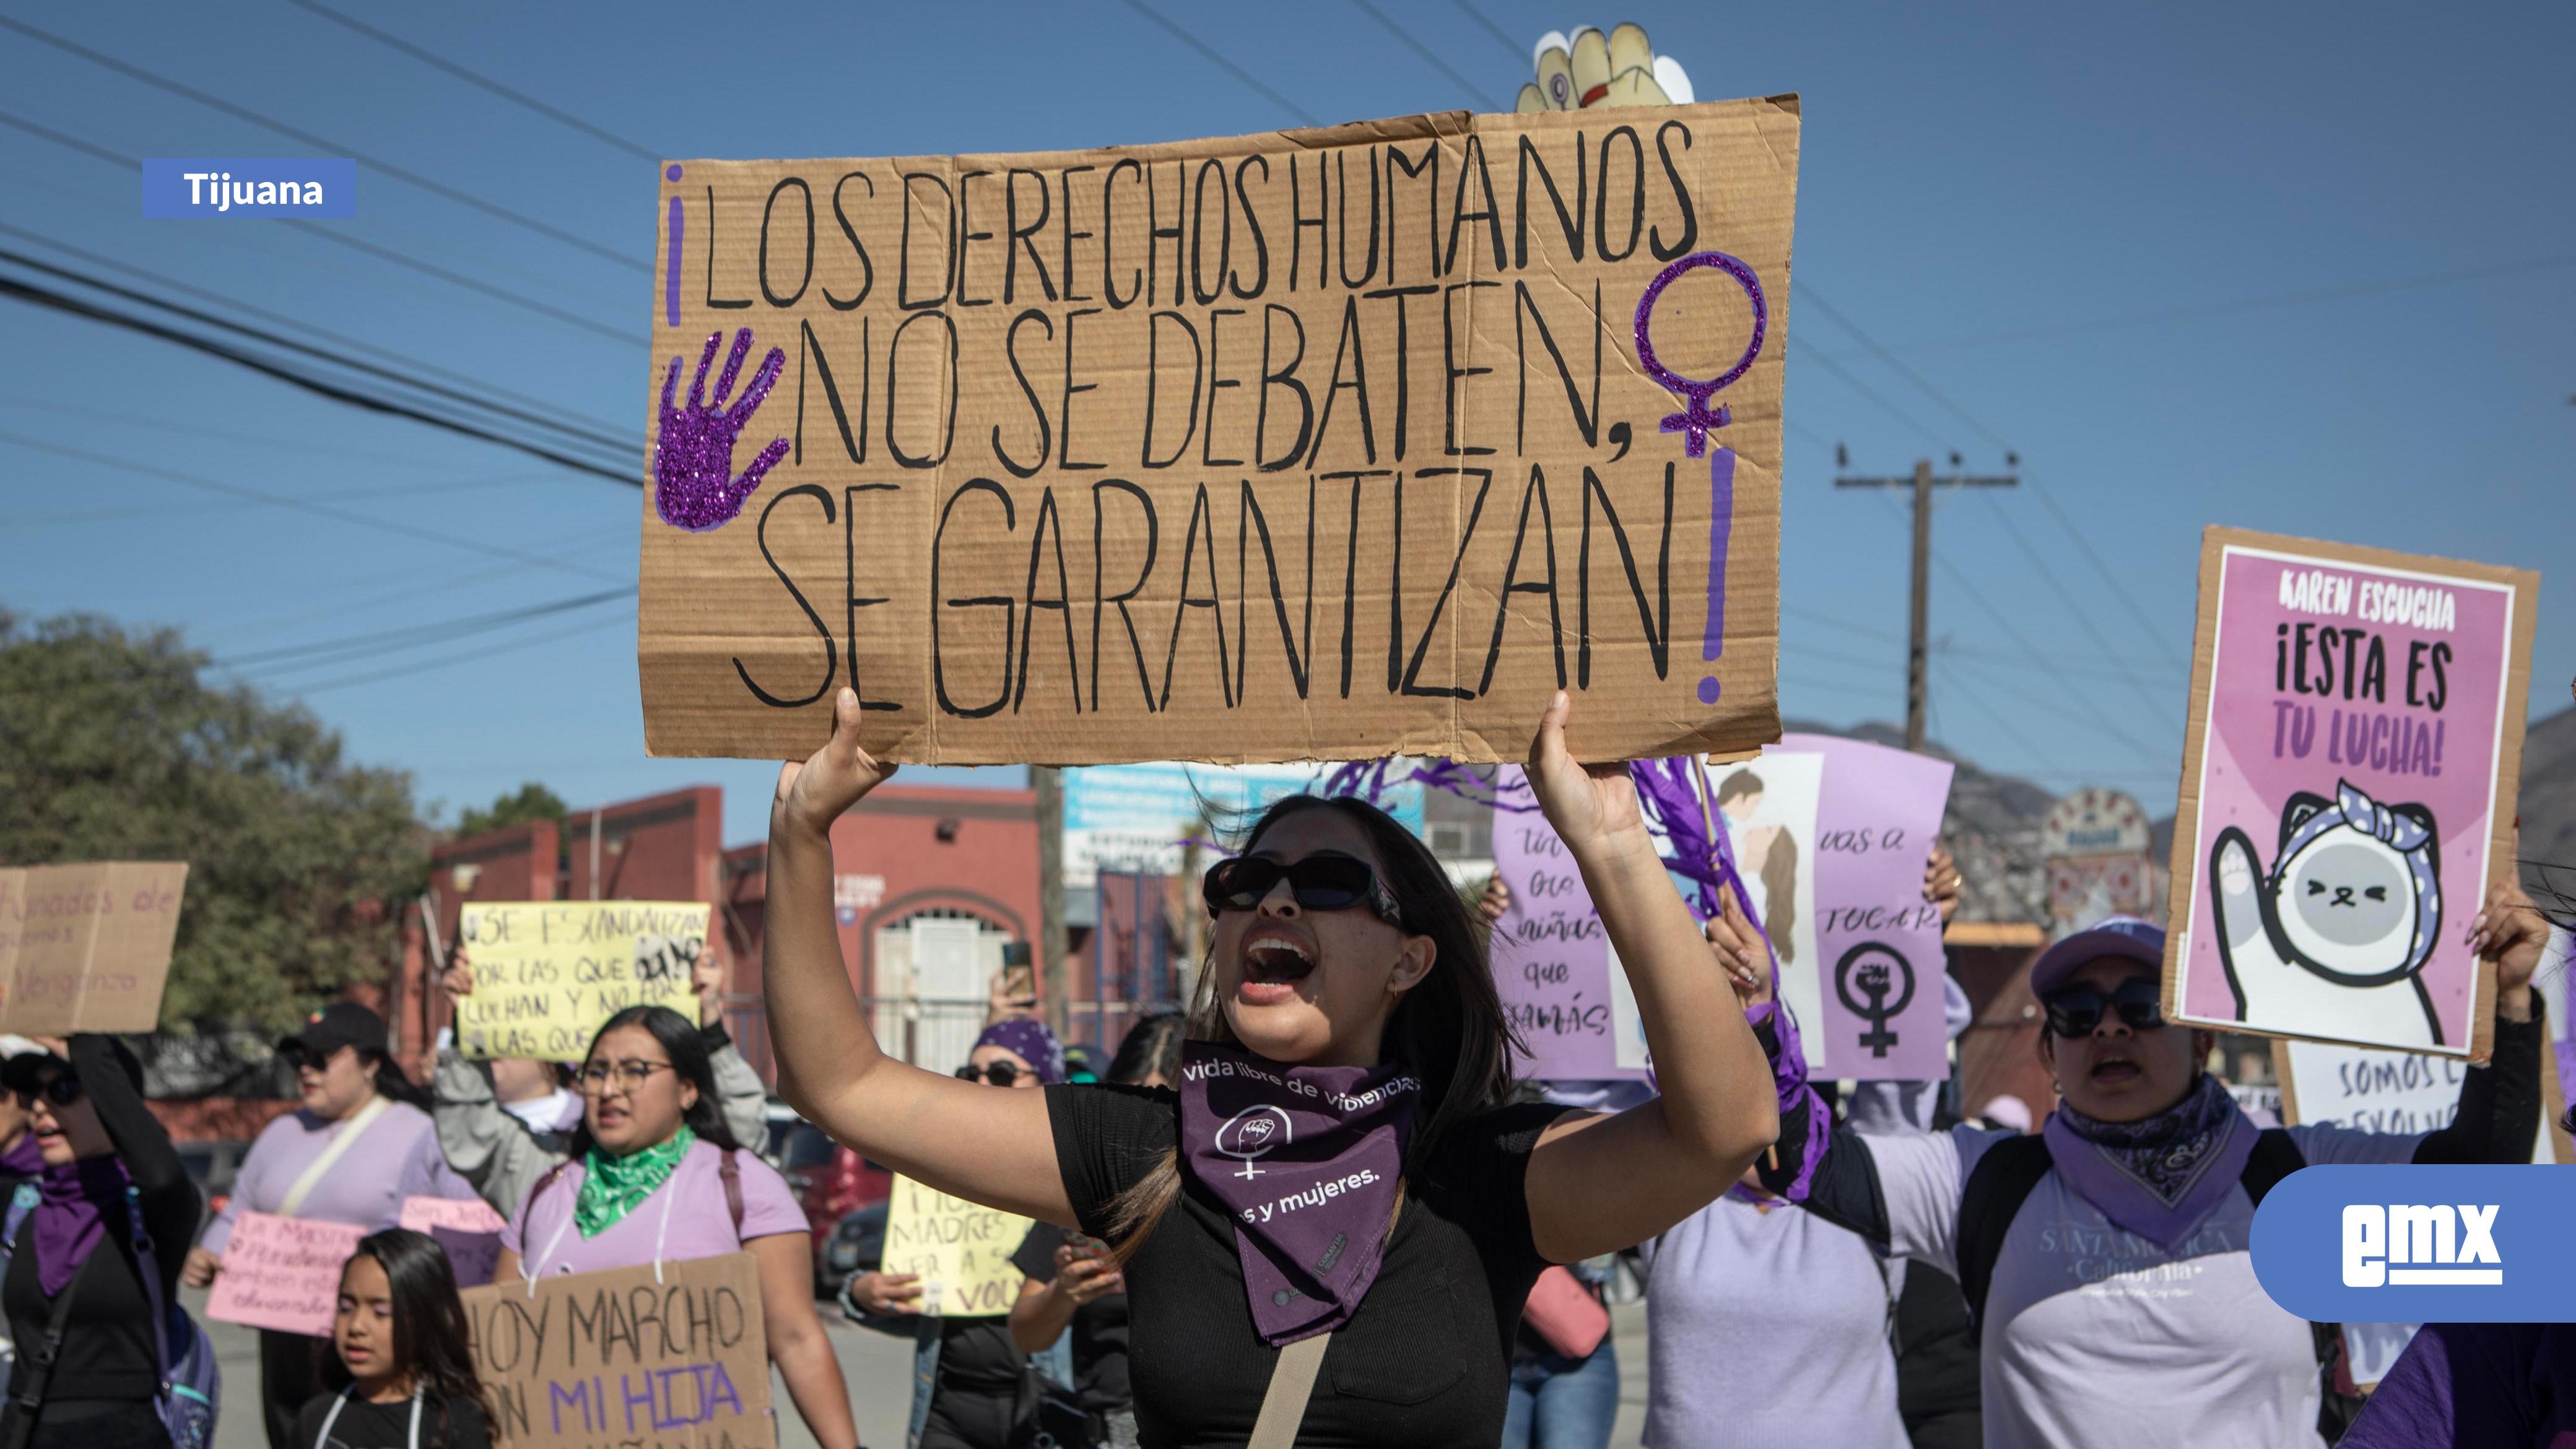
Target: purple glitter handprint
[(693, 483)]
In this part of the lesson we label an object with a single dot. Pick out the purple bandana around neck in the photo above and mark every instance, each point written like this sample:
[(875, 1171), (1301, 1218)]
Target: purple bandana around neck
[(1306, 1161), (68, 1219), (2159, 1177), (27, 1159)]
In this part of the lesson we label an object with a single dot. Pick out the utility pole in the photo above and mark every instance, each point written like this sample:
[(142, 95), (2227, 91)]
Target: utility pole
[(1918, 643), (1049, 785)]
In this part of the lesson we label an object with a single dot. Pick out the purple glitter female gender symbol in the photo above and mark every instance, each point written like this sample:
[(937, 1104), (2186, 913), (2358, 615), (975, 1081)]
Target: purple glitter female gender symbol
[(1695, 421)]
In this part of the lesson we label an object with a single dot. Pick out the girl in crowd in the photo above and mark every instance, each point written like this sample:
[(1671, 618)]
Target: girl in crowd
[(653, 1174), (1338, 1216), (502, 1124), (968, 1374), (357, 1148), (406, 1375), (1074, 1280), (108, 1170), (2106, 1260)]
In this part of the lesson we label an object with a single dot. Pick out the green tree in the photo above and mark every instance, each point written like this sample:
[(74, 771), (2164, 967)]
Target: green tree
[(530, 801), (299, 861)]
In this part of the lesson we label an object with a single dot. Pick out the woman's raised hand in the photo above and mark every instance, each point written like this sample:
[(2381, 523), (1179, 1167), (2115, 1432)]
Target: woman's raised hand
[(1741, 952), (833, 778), (1589, 805)]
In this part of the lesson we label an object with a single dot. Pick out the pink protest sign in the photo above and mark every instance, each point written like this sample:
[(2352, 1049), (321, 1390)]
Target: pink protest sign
[(1871, 943), (2356, 721), (1560, 982), (282, 1273), (466, 1227)]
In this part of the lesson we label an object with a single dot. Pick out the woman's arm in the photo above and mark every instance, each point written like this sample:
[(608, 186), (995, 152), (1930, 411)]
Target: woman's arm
[(1046, 1307), (991, 1147), (168, 1196), (1670, 1157), (490, 1150), (797, 1343), (2500, 1103)]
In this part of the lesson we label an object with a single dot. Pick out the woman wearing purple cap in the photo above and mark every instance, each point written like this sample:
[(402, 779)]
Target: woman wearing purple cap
[(1337, 1218), (967, 1372), (2106, 1259), (360, 1145)]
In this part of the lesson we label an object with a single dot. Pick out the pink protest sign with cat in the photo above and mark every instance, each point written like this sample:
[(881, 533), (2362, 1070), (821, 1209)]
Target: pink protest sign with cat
[(2348, 791)]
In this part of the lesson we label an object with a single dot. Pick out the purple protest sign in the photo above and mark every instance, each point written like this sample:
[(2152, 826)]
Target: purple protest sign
[(1876, 966), (1560, 982)]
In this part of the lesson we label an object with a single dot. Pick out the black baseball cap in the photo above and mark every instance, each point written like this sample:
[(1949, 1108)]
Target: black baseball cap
[(341, 1024), (27, 1072)]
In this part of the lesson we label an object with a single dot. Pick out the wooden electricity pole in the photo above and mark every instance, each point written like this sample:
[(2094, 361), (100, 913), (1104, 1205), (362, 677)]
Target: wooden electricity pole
[(1918, 643)]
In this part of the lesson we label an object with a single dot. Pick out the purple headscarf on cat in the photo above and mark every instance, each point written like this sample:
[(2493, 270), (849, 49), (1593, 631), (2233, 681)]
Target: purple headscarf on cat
[(2400, 832)]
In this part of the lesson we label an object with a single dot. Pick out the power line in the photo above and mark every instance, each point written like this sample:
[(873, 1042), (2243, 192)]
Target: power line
[(2082, 615), (470, 656), (473, 78), (1892, 360), (338, 239), (1214, 57), (1852, 380), (2119, 590), (2092, 707), (2307, 297), (290, 657), (61, 302), (1475, 91), (471, 399), (300, 505), (325, 144), (1490, 28)]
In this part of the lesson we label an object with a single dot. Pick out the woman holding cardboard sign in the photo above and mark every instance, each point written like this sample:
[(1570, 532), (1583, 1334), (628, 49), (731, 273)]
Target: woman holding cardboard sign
[(92, 1267), (1338, 1216), (359, 1147), (656, 1176)]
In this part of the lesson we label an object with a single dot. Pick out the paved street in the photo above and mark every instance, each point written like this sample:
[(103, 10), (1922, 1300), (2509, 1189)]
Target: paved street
[(879, 1370)]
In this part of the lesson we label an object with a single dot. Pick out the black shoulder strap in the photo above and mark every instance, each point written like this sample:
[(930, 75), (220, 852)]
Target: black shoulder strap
[(2001, 1181), (39, 1375), (2276, 1156)]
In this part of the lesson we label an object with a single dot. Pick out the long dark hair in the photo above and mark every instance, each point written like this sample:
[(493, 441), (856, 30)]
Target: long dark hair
[(431, 1340), (392, 1082), (1151, 1048), (687, 1050), (1449, 1030)]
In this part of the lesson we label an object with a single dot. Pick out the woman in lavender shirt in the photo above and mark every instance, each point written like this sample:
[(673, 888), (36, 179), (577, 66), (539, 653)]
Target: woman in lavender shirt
[(656, 1176), (358, 1147)]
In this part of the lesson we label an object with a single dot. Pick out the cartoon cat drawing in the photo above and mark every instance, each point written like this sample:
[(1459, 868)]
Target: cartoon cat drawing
[(2345, 920)]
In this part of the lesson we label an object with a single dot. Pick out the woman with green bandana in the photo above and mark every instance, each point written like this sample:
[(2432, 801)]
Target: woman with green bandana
[(655, 1176)]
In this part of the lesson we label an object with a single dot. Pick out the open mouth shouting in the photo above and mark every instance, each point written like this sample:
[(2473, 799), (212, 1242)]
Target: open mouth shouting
[(1275, 961), (2113, 1069)]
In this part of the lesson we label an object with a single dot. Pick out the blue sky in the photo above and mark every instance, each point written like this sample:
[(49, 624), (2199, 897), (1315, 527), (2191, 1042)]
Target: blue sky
[(2288, 268)]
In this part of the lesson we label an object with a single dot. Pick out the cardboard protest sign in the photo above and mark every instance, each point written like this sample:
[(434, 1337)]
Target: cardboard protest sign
[(1876, 964), (1308, 445), (634, 1358), (282, 1273), (961, 1250), (466, 1227), (1563, 988), (547, 973), (87, 947), (2354, 738)]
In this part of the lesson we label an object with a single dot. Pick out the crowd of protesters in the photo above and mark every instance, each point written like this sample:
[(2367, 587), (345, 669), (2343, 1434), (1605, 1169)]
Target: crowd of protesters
[(1861, 1268)]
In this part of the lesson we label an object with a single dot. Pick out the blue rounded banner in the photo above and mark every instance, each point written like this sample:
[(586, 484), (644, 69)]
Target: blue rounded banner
[(2420, 1244)]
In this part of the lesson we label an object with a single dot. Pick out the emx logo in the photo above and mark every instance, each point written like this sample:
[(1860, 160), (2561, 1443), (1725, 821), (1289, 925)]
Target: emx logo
[(2419, 1244), (2437, 1244)]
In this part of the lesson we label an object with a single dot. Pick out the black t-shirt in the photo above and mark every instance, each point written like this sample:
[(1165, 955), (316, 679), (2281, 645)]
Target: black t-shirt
[(977, 1355), (362, 1425), (1099, 1326), (1423, 1364)]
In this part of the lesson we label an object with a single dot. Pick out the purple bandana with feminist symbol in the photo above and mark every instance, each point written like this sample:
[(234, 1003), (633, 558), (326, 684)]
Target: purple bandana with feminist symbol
[(1306, 1161)]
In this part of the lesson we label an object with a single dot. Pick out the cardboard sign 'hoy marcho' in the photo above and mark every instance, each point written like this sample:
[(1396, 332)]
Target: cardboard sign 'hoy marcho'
[(1316, 444), (2347, 795)]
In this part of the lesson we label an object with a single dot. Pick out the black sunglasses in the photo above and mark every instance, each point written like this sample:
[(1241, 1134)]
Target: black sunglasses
[(1326, 882), (61, 1089), (1000, 1074), (2076, 1010)]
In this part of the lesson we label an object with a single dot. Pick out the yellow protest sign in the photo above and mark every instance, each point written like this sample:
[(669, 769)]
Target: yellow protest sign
[(1307, 445), (547, 973), (961, 1250)]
